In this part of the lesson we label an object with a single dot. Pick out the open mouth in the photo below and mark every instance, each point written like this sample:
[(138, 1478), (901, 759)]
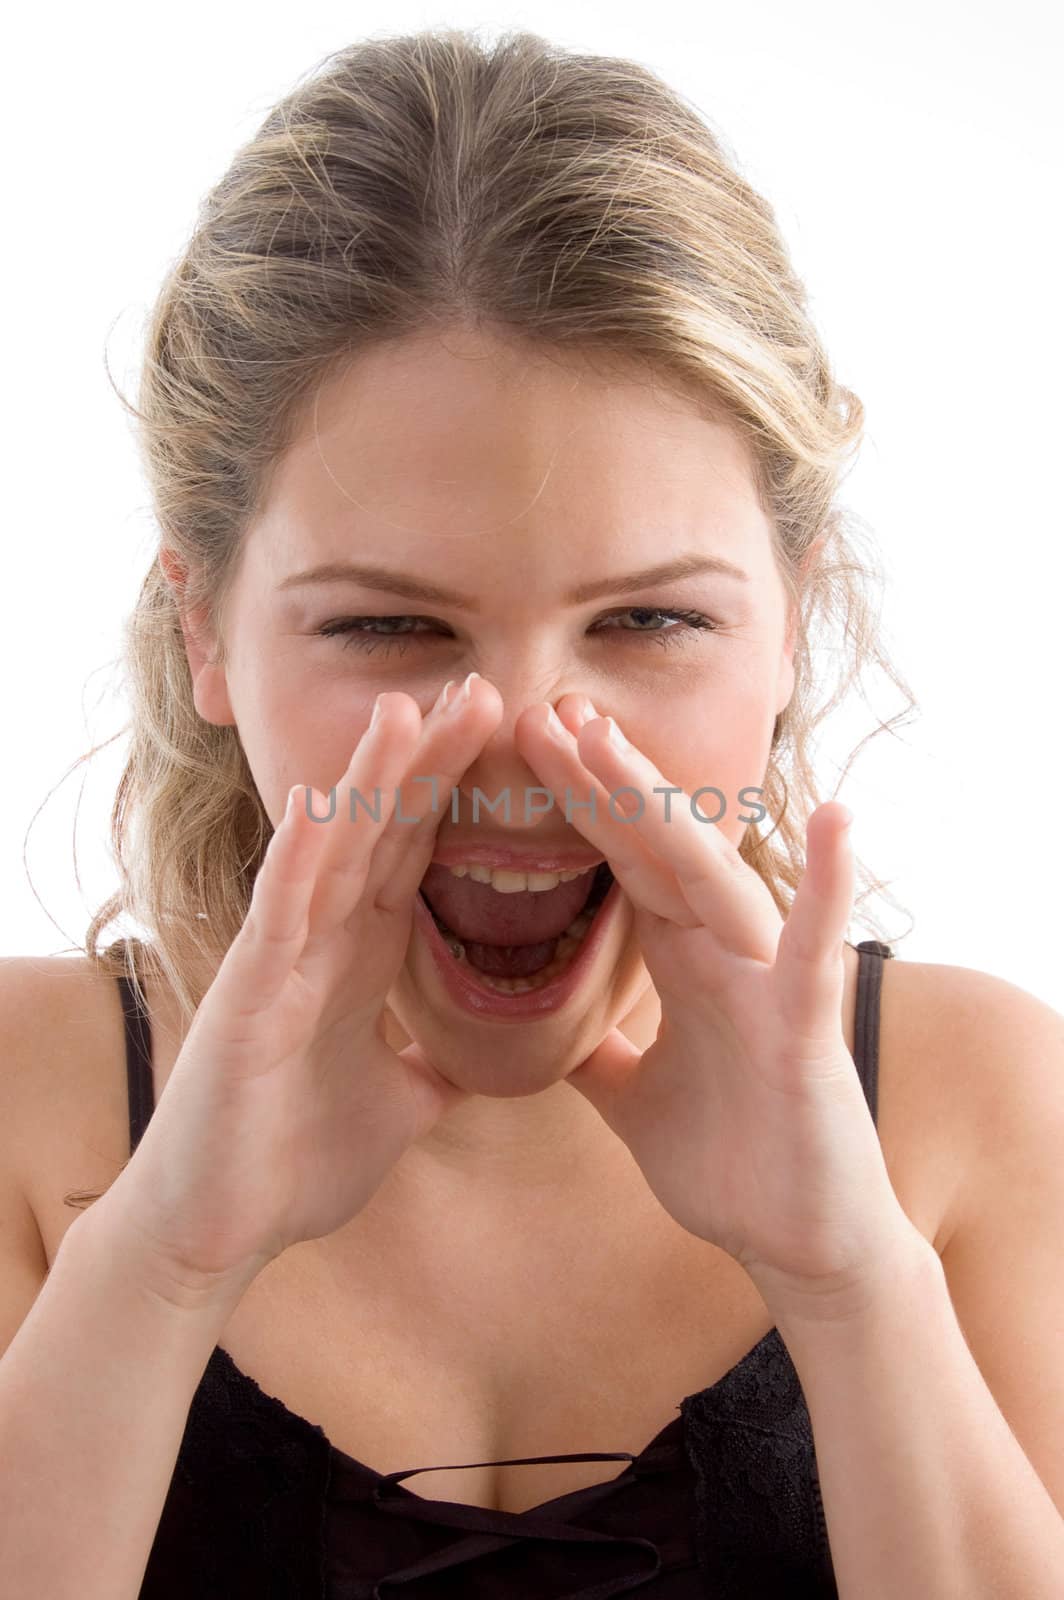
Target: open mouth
[(516, 943)]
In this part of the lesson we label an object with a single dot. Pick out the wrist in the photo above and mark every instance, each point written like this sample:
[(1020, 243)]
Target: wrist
[(113, 1231), (905, 1258)]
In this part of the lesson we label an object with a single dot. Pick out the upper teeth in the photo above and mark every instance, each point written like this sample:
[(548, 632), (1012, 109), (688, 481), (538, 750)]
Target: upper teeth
[(517, 882)]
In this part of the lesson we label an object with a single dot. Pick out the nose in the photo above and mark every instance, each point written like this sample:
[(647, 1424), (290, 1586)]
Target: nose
[(499, 770)]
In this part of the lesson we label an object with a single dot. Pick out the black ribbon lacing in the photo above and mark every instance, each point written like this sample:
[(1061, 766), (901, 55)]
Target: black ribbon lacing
[(487, 1528)]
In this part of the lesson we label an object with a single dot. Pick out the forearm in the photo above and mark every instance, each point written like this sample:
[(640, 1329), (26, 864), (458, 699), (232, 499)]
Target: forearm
[(926, 1489), (95, 1391)]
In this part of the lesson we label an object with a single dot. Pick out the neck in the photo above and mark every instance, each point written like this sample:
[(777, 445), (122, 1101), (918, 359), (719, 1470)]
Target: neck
[(525, 1148)]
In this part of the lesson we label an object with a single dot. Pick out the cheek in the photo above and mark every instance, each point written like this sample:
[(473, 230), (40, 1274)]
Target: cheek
[(722, 743), (292, 733)]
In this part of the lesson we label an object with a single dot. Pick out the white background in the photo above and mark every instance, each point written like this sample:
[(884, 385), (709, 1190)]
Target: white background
[(912, 153)]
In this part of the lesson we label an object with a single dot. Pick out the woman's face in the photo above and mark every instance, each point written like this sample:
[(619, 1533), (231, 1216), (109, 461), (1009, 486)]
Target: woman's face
[(477, 466)]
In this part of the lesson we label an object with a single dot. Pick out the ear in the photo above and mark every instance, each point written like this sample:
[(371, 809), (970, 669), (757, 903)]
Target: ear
[(210, 692)]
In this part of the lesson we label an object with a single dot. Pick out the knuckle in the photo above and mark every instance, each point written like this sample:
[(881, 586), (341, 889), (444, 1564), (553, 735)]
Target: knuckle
[(732, 858)]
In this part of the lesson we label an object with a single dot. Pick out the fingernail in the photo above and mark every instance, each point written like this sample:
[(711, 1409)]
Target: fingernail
[(444, 696), (461, 699), (585, 712), (615, 736), (376, 714), (555, 726)]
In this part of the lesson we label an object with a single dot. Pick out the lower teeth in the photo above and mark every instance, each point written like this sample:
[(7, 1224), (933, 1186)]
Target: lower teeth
[(568, 945)]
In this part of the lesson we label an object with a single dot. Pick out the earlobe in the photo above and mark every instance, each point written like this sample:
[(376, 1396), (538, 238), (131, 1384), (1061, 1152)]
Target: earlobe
[(210, 692)]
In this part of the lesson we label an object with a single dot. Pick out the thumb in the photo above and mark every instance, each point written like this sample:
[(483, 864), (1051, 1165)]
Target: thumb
[(434, 1095), (603, 1076)]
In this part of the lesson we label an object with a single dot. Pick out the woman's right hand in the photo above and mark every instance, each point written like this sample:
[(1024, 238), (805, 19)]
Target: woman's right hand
[(285, 1108)]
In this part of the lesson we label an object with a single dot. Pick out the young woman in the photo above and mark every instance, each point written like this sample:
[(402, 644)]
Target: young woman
[(504, 1101)]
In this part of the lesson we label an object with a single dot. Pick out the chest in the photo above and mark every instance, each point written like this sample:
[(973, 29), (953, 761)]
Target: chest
[(401, 1375), (409, 1352), (533, 1346)]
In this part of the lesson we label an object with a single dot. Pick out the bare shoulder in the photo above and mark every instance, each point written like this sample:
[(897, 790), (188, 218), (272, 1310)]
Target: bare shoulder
[(63, 1098), (1003, 1052), (977, 1059), (47, 1008)]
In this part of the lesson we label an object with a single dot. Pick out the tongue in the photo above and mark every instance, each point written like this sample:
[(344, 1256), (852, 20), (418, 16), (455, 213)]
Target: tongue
[(508, 935)]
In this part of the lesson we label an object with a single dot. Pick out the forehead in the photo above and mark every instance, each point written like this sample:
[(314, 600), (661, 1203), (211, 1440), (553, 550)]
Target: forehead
[(471, 444)]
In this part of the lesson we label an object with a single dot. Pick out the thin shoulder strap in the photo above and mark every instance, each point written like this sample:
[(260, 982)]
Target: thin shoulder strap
[(871, 954), (141, 1087)]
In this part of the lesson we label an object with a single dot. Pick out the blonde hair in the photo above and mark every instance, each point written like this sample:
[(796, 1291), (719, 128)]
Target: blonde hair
[(572, 201)]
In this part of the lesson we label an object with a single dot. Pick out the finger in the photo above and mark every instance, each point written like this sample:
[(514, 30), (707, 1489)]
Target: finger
[(716, 883), (389, 803), (699, 875), (361, 808), (606, 1073), (274, 931), (454, 733), (809, 960), (586, 802)]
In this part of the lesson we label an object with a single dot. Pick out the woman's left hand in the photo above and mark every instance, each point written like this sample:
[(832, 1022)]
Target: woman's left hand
[(747, 1115)]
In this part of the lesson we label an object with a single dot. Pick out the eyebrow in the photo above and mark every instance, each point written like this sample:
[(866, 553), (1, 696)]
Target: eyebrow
[(394, 582)]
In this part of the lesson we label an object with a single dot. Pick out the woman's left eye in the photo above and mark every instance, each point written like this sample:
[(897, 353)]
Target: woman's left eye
[(363, 631)]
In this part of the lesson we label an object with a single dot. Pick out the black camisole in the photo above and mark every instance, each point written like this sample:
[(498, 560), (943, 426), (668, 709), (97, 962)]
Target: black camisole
[(722, 1504)]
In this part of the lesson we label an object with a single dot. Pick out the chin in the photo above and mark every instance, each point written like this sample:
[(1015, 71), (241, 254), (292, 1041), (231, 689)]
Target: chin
[(504, 1060), (505, 1067)]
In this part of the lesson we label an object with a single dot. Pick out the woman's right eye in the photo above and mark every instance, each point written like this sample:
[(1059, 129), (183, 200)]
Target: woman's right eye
[(360, 632)]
